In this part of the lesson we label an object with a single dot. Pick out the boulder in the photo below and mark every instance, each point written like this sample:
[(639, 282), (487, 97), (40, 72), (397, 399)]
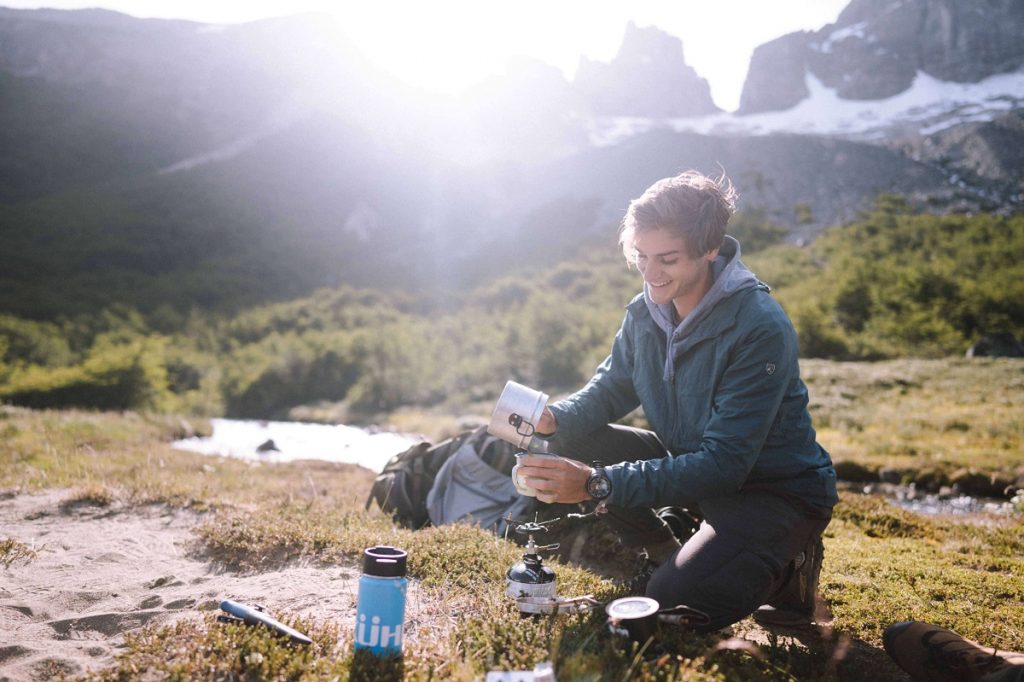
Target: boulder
[(268, 446), (855, 472), (999, 345)]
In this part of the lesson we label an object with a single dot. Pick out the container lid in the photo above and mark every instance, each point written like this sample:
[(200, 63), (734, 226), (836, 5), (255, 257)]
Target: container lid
[(630, 608), (384, 561)]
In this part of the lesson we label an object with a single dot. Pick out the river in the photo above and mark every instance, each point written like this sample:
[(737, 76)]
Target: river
[(298, 440), (351, 445)]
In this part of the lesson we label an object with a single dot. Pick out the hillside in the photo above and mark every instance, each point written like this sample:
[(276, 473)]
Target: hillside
[(896, 283), (172, 164)]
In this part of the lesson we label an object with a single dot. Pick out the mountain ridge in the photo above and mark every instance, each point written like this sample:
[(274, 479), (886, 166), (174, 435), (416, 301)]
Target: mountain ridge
[(262, 161)]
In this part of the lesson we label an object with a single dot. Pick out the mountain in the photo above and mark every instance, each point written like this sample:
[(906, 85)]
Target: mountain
[(648, 77), (94, 95), (877, 48), (160, 163)]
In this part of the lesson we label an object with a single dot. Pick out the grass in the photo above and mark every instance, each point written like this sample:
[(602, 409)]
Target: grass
[(12, 551), (882, 563), (93, 495), (943, 419)]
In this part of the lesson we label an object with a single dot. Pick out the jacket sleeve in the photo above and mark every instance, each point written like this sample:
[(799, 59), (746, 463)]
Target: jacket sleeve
[(608, 396), (744, 407)]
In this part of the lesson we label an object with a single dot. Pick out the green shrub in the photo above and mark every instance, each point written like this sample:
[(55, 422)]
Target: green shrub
[(112, 377)]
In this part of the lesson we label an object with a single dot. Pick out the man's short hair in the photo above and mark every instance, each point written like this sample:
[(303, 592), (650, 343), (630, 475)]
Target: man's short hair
[(690, 205)]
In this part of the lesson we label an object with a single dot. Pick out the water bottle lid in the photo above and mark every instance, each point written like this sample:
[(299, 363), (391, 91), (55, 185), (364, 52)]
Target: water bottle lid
[(384, 561)]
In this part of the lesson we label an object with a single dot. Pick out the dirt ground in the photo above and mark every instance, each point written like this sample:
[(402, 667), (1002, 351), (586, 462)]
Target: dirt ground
[(100, 572)]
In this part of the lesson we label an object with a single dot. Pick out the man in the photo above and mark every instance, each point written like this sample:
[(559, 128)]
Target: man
[(712, 359)]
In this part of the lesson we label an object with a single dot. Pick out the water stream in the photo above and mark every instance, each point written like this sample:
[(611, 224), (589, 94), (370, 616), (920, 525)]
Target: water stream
[(339, 443), (947, 502), (269, 441)]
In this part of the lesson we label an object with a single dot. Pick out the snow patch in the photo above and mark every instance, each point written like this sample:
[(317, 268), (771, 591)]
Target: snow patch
[(928, 106), (293, 108), (224, 153), (858, 30)]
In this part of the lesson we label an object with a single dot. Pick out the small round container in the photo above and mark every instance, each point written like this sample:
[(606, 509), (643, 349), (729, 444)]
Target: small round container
[(633, 617), (516, 414), (519, 484)]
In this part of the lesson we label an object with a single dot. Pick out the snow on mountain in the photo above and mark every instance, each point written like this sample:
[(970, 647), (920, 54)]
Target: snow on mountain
[(928, 106)]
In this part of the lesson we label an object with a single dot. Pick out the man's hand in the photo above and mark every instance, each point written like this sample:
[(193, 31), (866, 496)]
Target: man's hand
[(546, 425), (556, 479)]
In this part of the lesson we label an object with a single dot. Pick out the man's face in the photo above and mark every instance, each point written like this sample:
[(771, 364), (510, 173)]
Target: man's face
[(672, 275)]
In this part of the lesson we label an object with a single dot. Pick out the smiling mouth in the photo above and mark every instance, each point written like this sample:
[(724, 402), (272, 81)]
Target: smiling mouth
[(658, 285)]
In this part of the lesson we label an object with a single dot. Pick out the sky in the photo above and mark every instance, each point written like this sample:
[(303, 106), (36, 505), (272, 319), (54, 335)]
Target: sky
[(448, 45)]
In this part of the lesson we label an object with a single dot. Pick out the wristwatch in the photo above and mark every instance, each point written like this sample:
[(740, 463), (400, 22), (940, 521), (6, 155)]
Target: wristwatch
[(599, 486)]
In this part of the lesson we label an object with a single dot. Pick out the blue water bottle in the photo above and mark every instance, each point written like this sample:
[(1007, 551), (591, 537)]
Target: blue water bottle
[(380, 610)]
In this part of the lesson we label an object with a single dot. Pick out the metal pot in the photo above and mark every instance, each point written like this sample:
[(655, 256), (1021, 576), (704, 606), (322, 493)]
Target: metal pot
[(516, 414)]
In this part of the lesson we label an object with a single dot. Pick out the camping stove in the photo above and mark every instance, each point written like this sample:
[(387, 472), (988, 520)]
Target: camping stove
[(530, 578)]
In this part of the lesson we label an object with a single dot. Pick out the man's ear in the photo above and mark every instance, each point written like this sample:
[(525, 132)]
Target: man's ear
[(711, 255)]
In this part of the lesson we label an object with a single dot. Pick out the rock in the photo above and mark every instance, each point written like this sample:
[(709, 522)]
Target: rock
[(855, 472), (649, 77), (268, 446), (931, 479), (877, 47), (999, 345), (978, 484), (890, 475), (776, 79)]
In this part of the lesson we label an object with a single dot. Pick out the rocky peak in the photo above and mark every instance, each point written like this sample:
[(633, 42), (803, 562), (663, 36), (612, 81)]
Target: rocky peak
[(648, 77), (876, 48)]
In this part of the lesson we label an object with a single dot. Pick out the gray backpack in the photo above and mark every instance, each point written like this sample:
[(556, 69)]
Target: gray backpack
[(474, 485)]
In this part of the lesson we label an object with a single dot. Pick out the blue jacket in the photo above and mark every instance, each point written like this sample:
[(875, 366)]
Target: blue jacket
[(722, 390)]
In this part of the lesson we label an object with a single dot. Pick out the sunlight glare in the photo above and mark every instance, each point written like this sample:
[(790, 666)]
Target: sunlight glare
[(449, 46)]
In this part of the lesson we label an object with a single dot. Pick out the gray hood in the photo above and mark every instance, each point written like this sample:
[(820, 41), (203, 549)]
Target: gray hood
[(729, 276)]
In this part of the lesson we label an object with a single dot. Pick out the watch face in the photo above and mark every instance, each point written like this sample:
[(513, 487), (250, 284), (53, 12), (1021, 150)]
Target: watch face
[(599, 486)]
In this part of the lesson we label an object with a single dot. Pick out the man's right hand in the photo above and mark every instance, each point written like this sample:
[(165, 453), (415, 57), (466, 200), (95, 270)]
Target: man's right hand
[(547, 425)]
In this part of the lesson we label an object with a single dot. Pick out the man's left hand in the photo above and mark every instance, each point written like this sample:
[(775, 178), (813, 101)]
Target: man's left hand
[(556, 479)]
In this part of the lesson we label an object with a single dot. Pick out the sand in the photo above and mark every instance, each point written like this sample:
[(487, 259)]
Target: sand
[(103, 571)]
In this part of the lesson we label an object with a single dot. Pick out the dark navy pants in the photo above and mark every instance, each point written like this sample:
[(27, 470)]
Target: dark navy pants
[(737, 559)]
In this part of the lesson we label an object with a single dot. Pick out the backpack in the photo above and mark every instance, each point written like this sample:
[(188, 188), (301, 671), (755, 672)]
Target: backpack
[(471, 487), (402, 487)]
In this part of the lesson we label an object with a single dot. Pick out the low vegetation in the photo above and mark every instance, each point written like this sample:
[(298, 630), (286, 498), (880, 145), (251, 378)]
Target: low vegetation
[(882, 564), (939, 423), (12, 551), (894, 284)]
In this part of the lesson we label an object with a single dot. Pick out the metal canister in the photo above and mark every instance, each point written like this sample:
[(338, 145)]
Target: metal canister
[(530, 577), (517, 414), (380, 610)]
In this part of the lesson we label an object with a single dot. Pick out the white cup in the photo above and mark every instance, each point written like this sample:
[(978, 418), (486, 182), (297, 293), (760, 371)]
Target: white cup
[(518, 482), (517, 414)]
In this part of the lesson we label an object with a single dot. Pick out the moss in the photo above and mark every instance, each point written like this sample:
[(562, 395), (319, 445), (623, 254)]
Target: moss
[(878, 519)]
